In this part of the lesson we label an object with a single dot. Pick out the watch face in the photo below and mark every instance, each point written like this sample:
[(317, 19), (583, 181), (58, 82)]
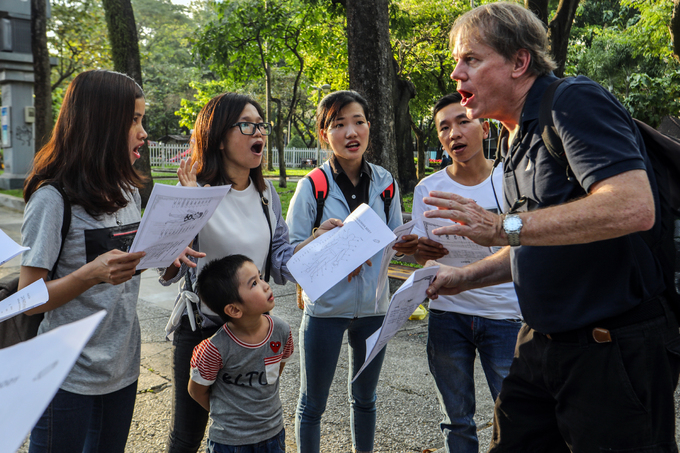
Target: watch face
[(512, 223)]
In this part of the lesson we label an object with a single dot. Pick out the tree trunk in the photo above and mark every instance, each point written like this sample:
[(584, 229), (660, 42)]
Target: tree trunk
[(42, 88), (558, 29), (280, 145), (558, 33), (268, 107), (404, 91), (675, 29), (420, 145), (371, 74), (538, 7), (120, 19)]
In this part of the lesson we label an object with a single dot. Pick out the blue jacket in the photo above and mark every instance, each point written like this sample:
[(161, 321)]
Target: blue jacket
[(355, 299)]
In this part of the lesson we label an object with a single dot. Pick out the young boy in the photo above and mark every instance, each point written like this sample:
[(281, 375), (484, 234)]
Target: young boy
[(234, 374)]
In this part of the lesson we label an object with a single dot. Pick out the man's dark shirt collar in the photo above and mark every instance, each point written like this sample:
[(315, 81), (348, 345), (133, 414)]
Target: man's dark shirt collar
[(532, 102)]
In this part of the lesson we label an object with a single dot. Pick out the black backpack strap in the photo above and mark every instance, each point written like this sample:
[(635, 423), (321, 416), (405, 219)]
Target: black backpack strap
[(546, 126), (65, 224), (387, 196), (265, 208), (319, 181)]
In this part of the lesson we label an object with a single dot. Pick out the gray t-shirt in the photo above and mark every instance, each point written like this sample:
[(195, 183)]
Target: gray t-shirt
[(244, 383), (110, 360)]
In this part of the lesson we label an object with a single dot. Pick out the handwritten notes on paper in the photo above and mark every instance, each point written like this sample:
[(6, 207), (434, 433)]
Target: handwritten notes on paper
[(29, 297), (31, 374), (8, 248), (328, 259), (404, 301), (173, 217), (462, 251)]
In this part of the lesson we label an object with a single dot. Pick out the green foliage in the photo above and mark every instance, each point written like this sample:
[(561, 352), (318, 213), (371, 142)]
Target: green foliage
[(77, 37), (420, 41), (165, 36), (626, 47)]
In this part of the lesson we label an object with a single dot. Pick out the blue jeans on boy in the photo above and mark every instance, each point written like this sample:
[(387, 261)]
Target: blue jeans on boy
[(320, 342), (452, 341), (85, 423), (276, 444)]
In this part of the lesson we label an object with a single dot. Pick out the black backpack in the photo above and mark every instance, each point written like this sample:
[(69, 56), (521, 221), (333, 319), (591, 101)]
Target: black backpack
[(664, 154), (23, 327)]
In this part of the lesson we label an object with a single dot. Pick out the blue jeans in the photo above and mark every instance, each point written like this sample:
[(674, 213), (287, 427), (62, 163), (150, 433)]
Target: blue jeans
[(276, 444), (451, 344), (320, 343), (85, 423)]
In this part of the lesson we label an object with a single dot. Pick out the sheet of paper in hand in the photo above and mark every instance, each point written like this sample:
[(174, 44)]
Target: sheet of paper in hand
[(388, 254), (27, 298), (31, 374), (404, 301), (462, 251), (331, 257), (173, 217), (8, 248)]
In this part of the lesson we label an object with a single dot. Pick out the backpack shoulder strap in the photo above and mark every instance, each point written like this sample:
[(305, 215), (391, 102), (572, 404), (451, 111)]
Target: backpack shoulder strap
[(546, 125), (264, 201), (387, 196), (319, 181), (65, 224)]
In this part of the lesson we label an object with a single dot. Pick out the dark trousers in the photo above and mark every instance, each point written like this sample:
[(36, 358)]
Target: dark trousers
[(584, 397), (189, 419), (85, 423)]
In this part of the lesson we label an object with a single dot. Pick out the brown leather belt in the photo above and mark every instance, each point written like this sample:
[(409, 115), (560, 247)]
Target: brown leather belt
[(599, 332)]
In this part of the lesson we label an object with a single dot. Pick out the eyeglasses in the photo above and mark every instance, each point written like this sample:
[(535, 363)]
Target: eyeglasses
[(248, 128)]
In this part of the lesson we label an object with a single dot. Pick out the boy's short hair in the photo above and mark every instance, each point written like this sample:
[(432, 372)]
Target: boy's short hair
[(217, 284), (445, 101), (451, 98)]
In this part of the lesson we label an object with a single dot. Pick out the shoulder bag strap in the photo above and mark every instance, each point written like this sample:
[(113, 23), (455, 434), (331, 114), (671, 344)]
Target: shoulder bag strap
[(65, 224), (265, 208)]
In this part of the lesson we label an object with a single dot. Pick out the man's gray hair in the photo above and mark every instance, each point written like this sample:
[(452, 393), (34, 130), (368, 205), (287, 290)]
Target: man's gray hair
[(506, 28)]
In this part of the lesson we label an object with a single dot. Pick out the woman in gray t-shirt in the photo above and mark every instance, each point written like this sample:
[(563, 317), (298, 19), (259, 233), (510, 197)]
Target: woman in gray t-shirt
[(90, 155)]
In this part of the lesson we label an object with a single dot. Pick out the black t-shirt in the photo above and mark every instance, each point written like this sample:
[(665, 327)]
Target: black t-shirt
[(561, 288)]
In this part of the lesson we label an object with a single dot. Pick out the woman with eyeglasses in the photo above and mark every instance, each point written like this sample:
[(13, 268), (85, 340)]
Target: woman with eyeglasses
[(230, 136)]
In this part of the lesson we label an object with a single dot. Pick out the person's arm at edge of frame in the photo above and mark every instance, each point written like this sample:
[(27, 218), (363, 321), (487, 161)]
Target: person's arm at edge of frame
[(200, 393), (492, 270), (615, 206)]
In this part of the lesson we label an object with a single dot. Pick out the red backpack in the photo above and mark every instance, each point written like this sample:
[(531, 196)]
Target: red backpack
[(319, 182)]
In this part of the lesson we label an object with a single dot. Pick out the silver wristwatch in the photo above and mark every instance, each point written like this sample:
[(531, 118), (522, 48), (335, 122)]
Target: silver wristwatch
[(512, 225)]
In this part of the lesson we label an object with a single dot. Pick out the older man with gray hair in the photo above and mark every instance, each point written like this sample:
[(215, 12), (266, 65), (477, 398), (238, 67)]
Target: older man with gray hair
[(597, 362)]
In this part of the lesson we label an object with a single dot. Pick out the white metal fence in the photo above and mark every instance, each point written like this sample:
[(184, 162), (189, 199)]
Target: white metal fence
[(169, 155)]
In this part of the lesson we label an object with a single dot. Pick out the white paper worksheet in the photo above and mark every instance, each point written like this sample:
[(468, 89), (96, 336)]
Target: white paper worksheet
[(8, 248), (462, 251), (404, 301), (29, 297), (331, 257), (31, 374), (173, 217), (388, 254)]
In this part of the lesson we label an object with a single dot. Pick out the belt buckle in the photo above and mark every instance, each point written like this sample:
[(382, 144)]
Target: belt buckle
[(601, 335)]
